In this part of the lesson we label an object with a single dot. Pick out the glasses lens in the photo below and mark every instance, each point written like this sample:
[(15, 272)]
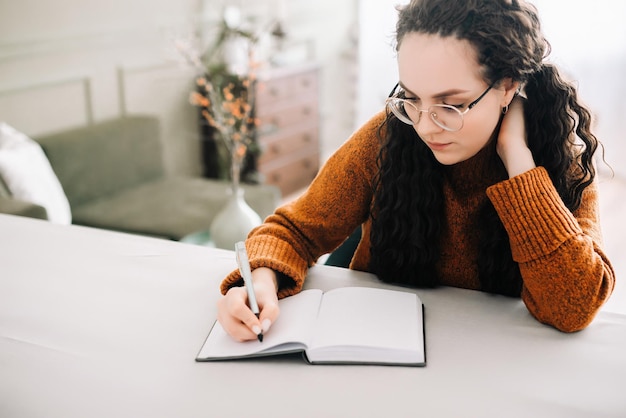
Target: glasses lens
[(446, 117), (398, 108)]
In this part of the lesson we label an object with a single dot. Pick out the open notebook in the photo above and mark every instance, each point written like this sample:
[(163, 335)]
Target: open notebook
[(342, 326)]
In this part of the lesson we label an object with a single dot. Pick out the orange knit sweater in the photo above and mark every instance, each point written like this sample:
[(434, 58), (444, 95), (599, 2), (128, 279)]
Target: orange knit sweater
[(566, 276)]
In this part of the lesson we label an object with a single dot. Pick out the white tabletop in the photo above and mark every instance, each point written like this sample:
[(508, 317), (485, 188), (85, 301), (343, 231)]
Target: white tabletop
[(101, 324)]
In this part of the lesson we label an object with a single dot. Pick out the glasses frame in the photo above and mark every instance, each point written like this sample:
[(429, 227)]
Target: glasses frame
[(433, 115)]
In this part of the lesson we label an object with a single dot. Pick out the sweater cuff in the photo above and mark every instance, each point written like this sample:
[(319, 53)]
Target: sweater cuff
[(533, 214), (290, 268)]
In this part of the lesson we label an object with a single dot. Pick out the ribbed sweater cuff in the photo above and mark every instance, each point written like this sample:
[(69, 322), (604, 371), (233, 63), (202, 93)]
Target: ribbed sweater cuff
[(534, 216), (284, 260)]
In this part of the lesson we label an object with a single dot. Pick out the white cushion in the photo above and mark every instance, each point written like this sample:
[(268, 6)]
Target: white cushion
[(27, 173)]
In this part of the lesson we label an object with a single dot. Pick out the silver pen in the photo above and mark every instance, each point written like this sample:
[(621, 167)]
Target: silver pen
[(246, 273)]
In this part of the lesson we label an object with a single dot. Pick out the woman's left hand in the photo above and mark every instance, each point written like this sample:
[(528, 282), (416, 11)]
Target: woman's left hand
[(512, 146)]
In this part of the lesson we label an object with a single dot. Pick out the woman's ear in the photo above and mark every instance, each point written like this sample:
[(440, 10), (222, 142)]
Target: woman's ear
[(510, 89)]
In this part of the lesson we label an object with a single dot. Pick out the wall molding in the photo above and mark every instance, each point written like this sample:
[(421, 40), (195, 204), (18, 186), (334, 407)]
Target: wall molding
[(84, 81)]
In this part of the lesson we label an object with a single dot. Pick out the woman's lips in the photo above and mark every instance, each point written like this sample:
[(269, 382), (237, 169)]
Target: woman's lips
[(438, 146)]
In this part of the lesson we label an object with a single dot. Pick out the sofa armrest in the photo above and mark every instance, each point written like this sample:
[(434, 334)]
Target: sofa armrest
[(12, 206)]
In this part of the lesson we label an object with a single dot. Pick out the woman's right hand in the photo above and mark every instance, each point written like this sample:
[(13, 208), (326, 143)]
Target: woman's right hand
[(235, 315)]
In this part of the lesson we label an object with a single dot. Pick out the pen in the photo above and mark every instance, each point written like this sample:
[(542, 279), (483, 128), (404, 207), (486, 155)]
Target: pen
[(246, 273)]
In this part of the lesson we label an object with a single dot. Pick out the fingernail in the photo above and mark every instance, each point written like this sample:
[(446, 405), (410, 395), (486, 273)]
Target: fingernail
[(266, 324), (256, 329)]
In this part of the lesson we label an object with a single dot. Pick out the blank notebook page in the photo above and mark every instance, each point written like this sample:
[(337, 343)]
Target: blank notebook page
[(369, 317)]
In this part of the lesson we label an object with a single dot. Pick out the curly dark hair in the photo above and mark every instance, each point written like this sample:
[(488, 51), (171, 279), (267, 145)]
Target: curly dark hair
[(407, 212)]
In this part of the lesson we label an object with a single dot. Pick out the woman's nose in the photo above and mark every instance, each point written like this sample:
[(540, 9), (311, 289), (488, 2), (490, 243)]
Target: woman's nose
[(425, 125)]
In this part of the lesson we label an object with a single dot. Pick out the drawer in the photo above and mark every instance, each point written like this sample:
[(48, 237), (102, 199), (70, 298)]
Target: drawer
[(287, 141), (286, 115), (293, 175), (288, 88)]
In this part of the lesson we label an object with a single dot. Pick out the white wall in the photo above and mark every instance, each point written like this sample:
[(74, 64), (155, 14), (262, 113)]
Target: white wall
[(589, 42), (378, 70)]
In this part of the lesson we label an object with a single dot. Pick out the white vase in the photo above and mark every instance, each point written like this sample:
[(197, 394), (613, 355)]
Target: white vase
[(233, 222)]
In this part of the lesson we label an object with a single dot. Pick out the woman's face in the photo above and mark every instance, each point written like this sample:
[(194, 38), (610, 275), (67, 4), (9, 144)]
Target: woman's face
[(436, 70)]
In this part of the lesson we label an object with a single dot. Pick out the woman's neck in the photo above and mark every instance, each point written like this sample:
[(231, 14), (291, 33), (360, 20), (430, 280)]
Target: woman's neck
[(478, 172)]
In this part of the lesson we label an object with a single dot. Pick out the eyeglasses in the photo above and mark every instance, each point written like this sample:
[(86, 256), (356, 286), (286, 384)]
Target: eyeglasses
[(445, 116)]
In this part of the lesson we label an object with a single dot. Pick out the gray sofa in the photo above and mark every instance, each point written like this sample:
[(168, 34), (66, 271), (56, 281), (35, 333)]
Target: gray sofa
[(114, 177)]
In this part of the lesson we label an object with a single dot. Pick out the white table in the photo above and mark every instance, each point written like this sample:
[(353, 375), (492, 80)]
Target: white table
[(101, 324)]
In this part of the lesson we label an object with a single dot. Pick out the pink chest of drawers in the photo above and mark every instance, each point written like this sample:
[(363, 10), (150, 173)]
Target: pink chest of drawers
[(287, 105)]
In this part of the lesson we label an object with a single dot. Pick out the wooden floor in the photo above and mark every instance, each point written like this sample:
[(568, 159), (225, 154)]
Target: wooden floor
[(613, 220)]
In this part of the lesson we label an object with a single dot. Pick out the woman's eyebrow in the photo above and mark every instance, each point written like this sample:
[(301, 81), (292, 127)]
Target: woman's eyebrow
[(441, 95), (405, 88)]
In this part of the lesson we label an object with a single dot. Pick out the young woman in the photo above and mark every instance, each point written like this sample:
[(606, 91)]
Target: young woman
[(479, 174)]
